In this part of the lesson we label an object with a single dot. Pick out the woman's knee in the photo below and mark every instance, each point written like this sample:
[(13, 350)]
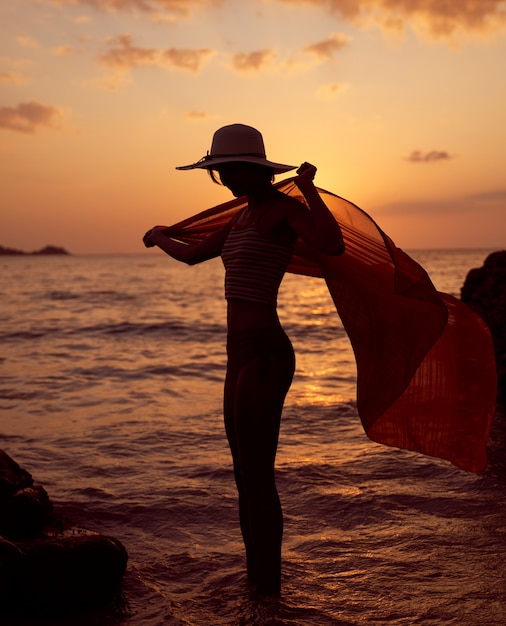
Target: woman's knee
[(257, 480)]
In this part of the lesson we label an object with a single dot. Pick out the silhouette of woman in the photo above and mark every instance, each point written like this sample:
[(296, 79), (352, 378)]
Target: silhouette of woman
[(256, 247)]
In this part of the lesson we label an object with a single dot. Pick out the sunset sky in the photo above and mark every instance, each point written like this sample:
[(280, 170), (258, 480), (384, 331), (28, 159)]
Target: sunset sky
[(401, 104)]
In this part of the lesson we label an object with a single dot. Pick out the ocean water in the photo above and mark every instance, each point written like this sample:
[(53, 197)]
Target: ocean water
[(111, 371)]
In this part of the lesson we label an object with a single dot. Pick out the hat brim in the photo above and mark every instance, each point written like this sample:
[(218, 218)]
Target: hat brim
[(208, 163)]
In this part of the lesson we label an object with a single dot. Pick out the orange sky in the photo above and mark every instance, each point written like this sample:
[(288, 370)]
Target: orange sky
[(400, 105)]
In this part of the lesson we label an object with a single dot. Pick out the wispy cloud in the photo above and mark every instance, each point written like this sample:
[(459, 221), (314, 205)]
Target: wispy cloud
[(196, 115), (162, 9), (495, 195), (328, 47), (186, 59), (252, 61), (441, 19), (12, 78), (62, 51), (123, 54), (27, 42), (29, 117), (82, 19), (492, 201), (330, 91), (433, 156)]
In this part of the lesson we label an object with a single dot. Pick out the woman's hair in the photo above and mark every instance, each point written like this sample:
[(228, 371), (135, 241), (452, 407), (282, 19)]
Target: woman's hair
[(268, 171), (212, 173)]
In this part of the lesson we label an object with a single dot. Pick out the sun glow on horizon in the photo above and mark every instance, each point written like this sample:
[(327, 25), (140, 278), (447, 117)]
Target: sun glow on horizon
[(401, 110)]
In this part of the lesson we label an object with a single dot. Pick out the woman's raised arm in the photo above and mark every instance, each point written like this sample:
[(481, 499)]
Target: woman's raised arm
[(317, 227)]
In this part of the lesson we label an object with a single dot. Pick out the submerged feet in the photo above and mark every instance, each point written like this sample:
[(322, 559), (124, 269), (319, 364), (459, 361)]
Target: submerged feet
[(266, 584), (268, 589)]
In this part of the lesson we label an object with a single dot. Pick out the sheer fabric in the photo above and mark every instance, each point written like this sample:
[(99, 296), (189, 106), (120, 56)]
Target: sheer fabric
[(426, 374)]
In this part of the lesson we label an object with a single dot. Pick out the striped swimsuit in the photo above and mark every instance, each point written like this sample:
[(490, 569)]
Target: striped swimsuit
[(254, 264)]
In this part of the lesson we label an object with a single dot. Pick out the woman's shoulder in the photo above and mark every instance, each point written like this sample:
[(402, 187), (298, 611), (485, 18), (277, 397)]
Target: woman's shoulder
[(287, 205), (289, 201), (276, 220)]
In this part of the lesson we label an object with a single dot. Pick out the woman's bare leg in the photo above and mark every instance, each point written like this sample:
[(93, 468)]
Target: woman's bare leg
[(253, 405)]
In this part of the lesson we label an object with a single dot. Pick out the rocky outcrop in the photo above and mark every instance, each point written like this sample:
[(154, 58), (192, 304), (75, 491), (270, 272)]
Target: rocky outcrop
[(50, 250), (484, 290), (46, 250), (47, 564)]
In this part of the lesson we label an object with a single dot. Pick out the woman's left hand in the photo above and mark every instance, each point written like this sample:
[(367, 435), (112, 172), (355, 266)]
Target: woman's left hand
[(305, 175)]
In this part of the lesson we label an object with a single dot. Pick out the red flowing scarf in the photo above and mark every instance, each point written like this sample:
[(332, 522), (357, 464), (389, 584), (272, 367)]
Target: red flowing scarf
[(426, 373)]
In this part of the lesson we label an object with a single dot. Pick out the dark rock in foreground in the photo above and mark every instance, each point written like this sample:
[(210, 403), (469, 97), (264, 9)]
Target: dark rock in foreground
[(484, 290), (12, 477), (48, 565), (60, 572), (496, 448)]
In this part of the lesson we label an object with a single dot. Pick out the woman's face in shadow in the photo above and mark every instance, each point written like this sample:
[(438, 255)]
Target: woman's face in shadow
[(242, 178)]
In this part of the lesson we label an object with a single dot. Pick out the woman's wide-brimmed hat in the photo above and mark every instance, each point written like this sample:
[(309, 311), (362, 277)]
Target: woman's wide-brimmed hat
[(237, 142)]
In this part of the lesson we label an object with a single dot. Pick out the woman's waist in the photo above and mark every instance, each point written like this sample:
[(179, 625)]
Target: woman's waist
[(244, 315)]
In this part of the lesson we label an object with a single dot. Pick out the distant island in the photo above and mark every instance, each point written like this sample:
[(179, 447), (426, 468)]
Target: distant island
[(46, 250)]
